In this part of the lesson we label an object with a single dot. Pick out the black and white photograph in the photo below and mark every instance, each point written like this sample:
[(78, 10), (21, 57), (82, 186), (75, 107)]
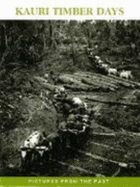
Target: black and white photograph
[(70, 98)]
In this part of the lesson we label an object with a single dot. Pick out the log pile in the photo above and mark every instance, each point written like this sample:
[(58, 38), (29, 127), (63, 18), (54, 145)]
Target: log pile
[(95, 82), (111, 79)]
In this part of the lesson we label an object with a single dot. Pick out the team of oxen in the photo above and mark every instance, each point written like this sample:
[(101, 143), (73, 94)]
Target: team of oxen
[(106, 66), (113, 71), (73, 128)]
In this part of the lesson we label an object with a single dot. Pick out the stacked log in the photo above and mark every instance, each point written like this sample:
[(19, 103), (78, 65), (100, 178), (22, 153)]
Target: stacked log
[(85, 84), (111, 79)]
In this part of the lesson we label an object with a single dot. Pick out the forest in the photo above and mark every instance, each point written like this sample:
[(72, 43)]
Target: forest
[(31, 49)]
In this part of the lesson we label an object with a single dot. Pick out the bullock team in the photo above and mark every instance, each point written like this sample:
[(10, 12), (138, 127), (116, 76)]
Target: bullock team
[(112, 71), (104, 67), (73, 129)]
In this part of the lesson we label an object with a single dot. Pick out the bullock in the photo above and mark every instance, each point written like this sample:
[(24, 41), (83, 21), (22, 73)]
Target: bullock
[(26, 158), (86, 119), (71, 117), (60, 93), (97, 57), (62, 126), (126, 74), (60, 90), (54, 142), (64, 137), (112, 71), (100, 62), (77, 101), (76, 133), (79, 105), (82, 108), (104, 66), (28, 150), (73, 128), (66, 108), (46, 75), (42, 155), (36, 138), (91, 53)]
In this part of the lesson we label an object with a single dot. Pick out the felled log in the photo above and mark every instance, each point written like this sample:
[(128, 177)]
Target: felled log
[(132, 134), (114, 102), (81, 88), (78, 169), (105, 129), (95, 81), (45, 83), (96, 157), (110, 132), (126, 81), (103, 134), (100, 88), (125, 133), (74, 79), (111, 78), (111, 81), (104, 82), (70, 80), (76, 85), (107, 146)]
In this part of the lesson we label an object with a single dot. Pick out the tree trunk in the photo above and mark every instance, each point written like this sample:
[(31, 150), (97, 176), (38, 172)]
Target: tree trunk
[(52, 37), (4, 42)]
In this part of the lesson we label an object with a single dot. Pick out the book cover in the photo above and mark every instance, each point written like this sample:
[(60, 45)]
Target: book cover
[(69, 97)]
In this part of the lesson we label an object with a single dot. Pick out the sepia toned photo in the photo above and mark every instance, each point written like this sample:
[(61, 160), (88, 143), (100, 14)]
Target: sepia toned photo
[(70, 98)]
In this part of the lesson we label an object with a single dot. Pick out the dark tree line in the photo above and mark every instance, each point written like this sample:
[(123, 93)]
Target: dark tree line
[(28, 40), (25, 44)]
